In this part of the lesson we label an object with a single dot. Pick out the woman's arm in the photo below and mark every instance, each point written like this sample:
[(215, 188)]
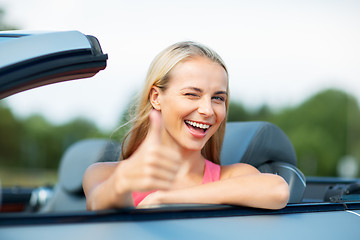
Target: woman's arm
[(110, 185), (152, 166), (100, 188), (242, 185)]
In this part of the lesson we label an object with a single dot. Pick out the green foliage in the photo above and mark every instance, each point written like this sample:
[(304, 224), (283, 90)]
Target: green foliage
[(35, 143), (323, 129), (237, 112), (319, 130), (10, 131)]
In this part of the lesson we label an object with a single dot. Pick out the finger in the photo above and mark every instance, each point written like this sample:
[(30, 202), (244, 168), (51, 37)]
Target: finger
[(149, 183), (151, 173), (158, 184), (167, 158), (155, 167), (154, 134), (144, 185)]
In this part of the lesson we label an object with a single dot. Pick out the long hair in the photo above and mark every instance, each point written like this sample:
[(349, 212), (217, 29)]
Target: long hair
[(158, 75)]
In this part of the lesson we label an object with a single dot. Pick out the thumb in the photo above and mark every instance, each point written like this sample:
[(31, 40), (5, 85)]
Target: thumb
[(154, 133)]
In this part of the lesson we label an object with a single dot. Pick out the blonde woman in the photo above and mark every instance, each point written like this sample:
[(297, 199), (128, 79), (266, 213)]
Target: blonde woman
[(171, 153)]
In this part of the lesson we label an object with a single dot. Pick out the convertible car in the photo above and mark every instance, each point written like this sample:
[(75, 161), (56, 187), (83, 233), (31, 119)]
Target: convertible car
[(319, 207)]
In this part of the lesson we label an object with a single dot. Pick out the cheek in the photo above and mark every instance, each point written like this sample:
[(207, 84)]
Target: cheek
[(174, 111), (179, 108), (220, 112)]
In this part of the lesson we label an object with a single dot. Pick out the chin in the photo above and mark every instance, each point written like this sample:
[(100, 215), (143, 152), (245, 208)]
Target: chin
[(194, 145)]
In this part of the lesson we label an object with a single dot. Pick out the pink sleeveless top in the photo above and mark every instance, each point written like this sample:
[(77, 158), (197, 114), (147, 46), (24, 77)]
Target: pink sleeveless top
[(211, 174)]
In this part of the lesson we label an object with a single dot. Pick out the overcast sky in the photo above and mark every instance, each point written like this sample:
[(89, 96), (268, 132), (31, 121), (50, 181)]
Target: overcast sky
[(278, 52)]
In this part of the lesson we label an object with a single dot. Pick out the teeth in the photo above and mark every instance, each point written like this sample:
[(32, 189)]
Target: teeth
[(198, 125)]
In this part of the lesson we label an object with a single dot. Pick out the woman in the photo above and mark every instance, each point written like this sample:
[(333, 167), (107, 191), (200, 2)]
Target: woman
[(172, 151)]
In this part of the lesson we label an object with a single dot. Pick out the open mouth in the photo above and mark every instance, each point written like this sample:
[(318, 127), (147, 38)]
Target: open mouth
[(197, 126)]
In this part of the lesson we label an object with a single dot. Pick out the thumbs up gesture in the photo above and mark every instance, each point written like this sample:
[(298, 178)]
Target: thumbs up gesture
[(153, 166)]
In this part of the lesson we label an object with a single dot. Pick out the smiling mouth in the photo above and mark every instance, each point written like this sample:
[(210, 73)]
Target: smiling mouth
[(197, 126)]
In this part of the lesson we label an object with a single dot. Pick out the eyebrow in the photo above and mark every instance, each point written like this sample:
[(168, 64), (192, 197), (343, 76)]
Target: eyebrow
[(201, 91), (221, 92)]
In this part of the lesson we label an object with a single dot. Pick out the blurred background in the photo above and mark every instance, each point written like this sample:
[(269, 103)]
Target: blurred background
[(292, 63)]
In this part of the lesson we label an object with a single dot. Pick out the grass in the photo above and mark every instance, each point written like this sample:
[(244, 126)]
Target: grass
[(10, 177)]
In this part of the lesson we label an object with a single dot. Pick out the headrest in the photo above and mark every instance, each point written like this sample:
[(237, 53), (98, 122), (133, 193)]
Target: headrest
[(256, 143), (79, 156)]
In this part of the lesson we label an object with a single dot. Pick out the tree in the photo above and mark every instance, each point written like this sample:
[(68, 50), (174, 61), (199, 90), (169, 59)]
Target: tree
[(319, 129), (323, 129), (43, 144), (10, 131), (237, 112)]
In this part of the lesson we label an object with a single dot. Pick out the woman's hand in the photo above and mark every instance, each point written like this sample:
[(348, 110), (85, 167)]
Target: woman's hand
[(152, 199), (241, 184), (153, 166)]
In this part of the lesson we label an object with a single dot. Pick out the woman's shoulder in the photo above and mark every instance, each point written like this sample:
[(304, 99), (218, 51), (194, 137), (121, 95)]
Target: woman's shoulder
[(99, 171), (237, 169), (102, 166)]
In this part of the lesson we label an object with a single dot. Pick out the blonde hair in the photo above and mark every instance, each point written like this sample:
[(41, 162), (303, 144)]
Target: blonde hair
[(158, 75)]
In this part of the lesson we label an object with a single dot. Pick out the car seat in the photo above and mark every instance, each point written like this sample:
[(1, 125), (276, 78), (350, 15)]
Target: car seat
[(68, 193), (266, 147), (260, 144)]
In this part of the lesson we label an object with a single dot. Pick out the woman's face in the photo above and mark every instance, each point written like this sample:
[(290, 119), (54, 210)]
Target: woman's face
[(193, 105)]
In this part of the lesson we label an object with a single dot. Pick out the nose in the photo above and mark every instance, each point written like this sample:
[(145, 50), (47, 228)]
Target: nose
[(205, 107)]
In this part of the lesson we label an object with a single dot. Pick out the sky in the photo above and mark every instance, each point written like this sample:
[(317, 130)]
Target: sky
[(277, 52)]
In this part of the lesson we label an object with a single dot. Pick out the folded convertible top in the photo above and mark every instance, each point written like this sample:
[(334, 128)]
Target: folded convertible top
[(29, 60)]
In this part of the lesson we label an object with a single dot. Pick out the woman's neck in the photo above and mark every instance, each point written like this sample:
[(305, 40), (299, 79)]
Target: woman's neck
[(191, 172), (192, 160), (193, 163)]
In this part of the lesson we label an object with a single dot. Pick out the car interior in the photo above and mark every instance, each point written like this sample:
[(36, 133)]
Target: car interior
[(260, 144)]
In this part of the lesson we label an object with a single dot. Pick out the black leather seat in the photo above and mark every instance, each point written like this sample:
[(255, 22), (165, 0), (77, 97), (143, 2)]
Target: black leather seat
[(266, 147)]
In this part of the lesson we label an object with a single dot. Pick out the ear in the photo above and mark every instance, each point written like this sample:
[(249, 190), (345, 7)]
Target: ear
[(155, 98)]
